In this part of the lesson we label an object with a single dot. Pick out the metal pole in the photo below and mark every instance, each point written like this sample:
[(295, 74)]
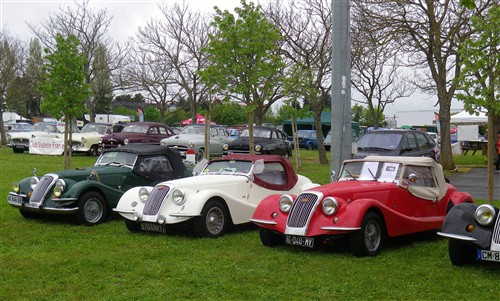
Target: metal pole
[(341, 144)]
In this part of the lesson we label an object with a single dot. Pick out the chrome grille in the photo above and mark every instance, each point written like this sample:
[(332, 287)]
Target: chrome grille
[(155, 199), (41, 189), (495, 237), (301, 210)]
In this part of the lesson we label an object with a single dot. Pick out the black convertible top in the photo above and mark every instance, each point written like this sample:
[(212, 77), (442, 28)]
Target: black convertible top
[(143, 149)]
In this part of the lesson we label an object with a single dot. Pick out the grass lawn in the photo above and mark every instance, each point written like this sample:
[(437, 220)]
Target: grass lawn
[(46, 259)]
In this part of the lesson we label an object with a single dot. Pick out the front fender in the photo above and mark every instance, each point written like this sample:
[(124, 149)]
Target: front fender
[(130, 202), (111, 194), (457, 220)]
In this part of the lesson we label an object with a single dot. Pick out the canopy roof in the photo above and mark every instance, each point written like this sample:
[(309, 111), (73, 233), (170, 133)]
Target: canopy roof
[(464, 117)]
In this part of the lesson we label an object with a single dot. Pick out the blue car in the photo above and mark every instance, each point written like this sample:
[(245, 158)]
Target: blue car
[(307, 139)]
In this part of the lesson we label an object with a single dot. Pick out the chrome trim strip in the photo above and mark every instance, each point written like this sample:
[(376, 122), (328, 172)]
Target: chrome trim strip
[(455, 236), (263, 221), (328, 228)]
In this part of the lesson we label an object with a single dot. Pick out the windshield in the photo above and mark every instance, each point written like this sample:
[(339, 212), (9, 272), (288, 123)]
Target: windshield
[(196, 130), (117, 158), (262, 133), (383, 140), (370, 171), (135, 128), (44, 127), (93, 128), (228, 167), (302, 134)]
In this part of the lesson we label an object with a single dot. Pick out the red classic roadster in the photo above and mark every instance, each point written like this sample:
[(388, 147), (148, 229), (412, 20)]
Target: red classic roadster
[(373, 198)]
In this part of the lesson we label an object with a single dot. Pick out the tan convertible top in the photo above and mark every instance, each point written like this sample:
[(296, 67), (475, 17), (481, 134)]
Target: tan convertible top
[(428, 193)]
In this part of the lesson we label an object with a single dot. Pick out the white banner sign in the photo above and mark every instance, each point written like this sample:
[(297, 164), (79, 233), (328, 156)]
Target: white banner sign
[(46, 146)]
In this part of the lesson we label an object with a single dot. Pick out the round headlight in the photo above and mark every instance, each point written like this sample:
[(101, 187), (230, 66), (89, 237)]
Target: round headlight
[(485, 215), (329, 206), (125, 141), (191, 144), (33, 182), (143, 194), (84, 140), (163, 143), (178, 197), (15, 187), (59, 188), (258, 148), (100, 141), (225, 147), (285, 203)]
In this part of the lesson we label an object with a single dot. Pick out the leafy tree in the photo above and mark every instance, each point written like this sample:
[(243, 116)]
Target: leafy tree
[(102, 89), (151, 113), (479, 83), (64, 90), (243, 59), (9, 69), (227, 113), (121, 110)]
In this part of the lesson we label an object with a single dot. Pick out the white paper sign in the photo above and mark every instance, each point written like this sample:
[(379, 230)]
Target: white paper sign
[(46, 146)]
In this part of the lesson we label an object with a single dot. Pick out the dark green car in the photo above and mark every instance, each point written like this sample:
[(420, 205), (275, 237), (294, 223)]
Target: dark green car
[(91, 193)]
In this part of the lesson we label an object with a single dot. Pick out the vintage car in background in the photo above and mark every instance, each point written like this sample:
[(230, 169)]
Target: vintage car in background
[(373, 198), (224, 192), (267, 141), (136, 132), (397, 142), (306, 139), (474, 233), (91, 193), (20, 141), (20, 127), (193, 137), (87, 140)]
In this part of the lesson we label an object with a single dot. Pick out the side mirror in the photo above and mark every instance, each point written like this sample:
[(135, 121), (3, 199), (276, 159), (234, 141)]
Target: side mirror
[(412, 178), (333, 177)]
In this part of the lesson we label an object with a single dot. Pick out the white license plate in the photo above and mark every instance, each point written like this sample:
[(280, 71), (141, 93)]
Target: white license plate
[(150, 227), (299, 241), (14, 199), (488, 255)]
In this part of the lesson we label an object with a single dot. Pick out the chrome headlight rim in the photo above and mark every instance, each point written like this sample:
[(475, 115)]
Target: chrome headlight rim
[(190, 145), (33, 182), (84, 140), (178, 197), (485, 215), (285, 203), (225, 147), (59, 187), (258, 147), (16, 187), (329, 206), (143, 194), (125, 142)]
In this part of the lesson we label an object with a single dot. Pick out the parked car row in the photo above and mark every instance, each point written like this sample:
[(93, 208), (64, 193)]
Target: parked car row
[(371, 200)]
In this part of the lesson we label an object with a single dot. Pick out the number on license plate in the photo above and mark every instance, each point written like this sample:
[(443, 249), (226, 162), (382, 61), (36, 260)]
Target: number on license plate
[(15, 199), (300, 241), (150, 227), (488, 255)]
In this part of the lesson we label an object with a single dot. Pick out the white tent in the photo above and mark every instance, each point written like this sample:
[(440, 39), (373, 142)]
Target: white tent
[(465, 118), (11, 117)]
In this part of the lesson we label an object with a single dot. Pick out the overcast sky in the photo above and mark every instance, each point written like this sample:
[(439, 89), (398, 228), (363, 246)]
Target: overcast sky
[(128, 15)]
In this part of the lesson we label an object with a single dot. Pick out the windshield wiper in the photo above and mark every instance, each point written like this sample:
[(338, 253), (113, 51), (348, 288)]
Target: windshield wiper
[(371, 173)]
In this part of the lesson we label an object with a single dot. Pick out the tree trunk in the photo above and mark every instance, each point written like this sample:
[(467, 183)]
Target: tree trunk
[(295, 142), (446, 156), (319, 133)]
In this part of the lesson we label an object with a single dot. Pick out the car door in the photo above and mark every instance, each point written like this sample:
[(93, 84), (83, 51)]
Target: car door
[(410, 145), (218, 138), (425, 146)]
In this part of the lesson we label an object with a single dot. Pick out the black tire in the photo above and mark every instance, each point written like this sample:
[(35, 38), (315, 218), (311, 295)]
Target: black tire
[(200, 155), (27, 214), (213, 220), (369, 239), (270, 238), (94, 150), (461, 253), (132, 226), (92, 209), (309, 146), (18, 150)]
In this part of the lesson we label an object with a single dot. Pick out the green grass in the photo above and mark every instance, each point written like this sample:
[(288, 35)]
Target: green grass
[(44, 259)]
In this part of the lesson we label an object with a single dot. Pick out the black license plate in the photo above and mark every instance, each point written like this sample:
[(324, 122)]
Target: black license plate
[(488, 255), (150, 227), (300, 241)]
